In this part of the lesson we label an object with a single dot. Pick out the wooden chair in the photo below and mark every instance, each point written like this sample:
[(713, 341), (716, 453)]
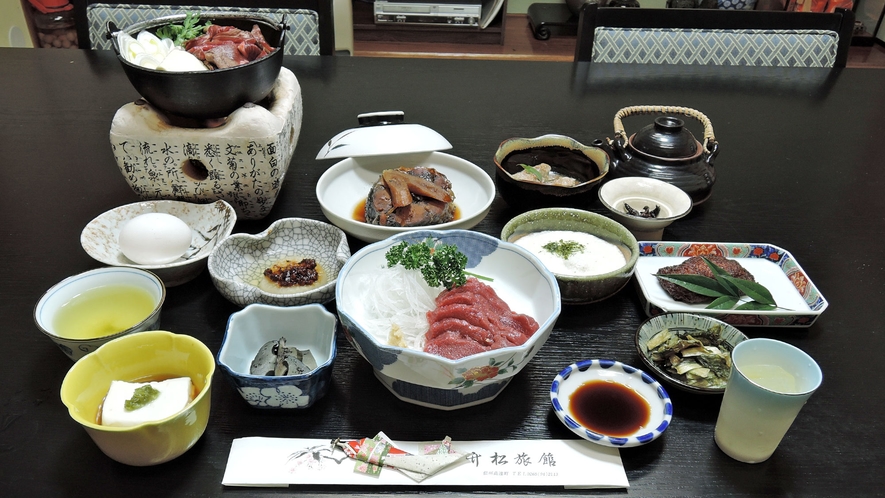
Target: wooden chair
[(713, 37), (311, 22)]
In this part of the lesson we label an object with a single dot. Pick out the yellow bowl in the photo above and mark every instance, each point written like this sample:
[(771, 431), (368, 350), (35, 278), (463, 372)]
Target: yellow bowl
[(139, 357)]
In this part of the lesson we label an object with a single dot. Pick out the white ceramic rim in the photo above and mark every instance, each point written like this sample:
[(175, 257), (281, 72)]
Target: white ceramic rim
[(340, 214), (175, 264), (661, 406), (674, 190), (49, 294), (263, 235)]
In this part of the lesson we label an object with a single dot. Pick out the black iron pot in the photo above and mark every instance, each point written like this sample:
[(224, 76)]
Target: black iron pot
[(207, 94), (666, 150)]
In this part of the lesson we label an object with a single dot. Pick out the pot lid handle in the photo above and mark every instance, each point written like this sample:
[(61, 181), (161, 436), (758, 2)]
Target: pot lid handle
[(709, 139), (382, 134)]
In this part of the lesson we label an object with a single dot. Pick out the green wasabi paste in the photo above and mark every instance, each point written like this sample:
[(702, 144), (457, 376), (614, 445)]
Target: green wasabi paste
[(142, 397)]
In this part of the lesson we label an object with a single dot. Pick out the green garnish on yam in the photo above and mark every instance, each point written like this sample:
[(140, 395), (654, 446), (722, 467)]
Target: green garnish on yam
[(142, 397)]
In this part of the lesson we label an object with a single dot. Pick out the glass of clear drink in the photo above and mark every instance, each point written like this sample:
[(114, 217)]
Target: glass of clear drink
[(770, 382)]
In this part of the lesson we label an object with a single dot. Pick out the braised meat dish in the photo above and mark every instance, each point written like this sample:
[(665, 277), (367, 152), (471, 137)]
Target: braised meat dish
[(696, 266), (410, 197), (226, 46)]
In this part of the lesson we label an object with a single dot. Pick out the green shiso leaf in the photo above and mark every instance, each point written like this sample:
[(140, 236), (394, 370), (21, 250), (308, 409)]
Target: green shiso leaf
[(719, 274), (726, 289), (534, 171), (723, 303), (756, 291), (700, 284)]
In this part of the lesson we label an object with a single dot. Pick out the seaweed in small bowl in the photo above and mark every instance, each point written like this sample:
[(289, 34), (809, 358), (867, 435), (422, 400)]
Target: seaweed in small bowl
[(690, 352)]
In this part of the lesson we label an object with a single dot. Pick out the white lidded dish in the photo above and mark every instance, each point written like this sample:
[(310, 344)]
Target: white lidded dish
[(384, 141)]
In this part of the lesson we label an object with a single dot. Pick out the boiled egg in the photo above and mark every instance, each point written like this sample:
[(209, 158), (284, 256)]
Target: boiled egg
[(154, 238)]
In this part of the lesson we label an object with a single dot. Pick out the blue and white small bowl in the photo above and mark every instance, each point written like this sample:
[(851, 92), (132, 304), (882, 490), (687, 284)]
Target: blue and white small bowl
[(425, 379), (304, 327), (577, 374)]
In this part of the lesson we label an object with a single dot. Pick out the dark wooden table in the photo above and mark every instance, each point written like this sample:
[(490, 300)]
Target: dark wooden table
[(801, 167)]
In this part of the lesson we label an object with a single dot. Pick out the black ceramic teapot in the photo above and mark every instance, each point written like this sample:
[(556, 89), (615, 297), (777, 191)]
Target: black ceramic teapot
[(665, 150)]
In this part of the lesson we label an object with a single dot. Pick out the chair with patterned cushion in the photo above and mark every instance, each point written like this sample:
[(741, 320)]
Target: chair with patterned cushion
[(713, 37), (311, 22)]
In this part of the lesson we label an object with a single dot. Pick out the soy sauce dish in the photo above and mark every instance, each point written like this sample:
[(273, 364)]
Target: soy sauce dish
[(610, 403)]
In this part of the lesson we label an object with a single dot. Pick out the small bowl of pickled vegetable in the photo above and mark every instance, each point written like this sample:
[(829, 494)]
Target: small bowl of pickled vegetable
[(690, 352), (644, 205), (280, 357), (549, 171)]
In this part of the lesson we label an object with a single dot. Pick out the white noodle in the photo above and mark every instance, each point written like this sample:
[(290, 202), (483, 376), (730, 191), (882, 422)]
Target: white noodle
[(396, 299)]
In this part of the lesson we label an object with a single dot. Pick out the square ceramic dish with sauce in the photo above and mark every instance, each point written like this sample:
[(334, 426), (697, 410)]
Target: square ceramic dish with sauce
[(268, 267)]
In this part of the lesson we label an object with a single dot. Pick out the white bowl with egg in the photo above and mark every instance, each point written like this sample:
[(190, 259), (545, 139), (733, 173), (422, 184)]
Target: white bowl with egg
[(172, 239), (371, 149), (580, 281), (239, 263), (432, 380), (85, 311)]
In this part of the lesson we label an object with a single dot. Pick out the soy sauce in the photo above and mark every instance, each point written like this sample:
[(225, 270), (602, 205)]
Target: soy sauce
[(609, 408)]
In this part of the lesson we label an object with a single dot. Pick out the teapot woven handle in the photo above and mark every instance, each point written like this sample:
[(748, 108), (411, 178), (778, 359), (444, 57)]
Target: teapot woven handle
[(709, 138)]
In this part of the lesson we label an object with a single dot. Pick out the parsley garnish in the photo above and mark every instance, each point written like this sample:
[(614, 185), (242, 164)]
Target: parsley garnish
[(181, 33), (439, 264)]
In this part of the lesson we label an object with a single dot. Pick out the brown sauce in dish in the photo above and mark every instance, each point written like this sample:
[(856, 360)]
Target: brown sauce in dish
[(359, 212), (609, 408), (294, 273)]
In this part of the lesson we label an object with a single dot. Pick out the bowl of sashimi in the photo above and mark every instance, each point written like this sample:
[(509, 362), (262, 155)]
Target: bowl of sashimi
[(446, 318)]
